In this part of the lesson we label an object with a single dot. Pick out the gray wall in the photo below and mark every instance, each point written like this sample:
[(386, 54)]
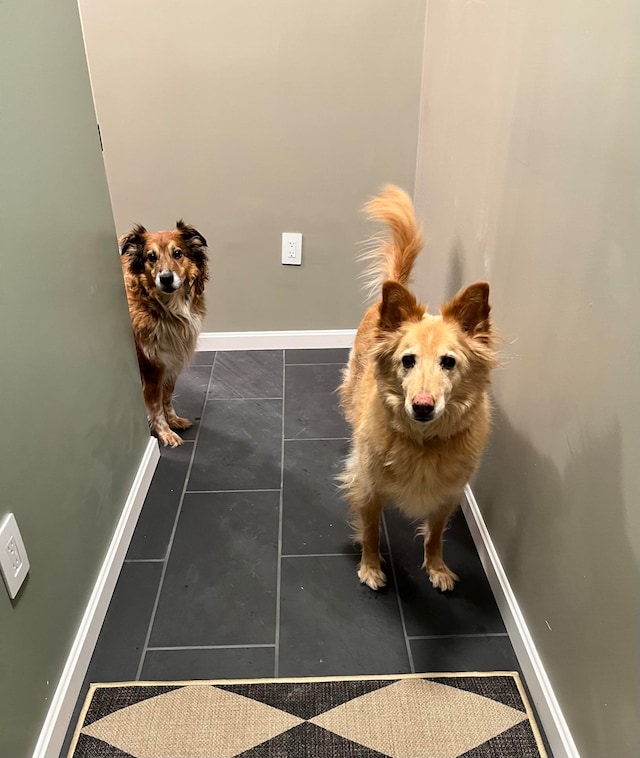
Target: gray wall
[(256, 118), (73, 422), (529, 176)]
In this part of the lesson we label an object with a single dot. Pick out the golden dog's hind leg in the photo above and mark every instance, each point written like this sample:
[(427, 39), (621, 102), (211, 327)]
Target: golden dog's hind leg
[(174, 421), (440, 576), (365, 517)]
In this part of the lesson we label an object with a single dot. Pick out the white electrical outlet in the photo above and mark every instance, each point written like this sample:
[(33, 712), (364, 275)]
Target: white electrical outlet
[(13, 556), (291, 248)]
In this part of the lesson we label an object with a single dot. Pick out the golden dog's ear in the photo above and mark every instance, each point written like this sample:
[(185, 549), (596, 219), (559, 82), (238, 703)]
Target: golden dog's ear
[(132, 245), (470, 310), (398, 305)]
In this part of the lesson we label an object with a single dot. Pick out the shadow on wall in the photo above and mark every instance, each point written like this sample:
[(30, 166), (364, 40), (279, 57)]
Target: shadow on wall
[(576, 517), (455, 275)]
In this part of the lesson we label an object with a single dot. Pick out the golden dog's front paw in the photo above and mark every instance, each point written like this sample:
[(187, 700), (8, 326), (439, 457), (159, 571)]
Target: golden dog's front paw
[(372, 576), (441, 577), (170, 439)]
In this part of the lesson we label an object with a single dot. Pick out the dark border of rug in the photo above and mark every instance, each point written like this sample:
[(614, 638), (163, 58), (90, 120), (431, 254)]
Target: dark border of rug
[(166, 686)]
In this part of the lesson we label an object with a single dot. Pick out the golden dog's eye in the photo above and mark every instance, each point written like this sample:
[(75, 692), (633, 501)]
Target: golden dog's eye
[(152, 257), (447, 362), (408, 361), (177, 254)]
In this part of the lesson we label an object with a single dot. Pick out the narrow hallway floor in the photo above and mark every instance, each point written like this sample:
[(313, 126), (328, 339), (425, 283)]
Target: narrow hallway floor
[(241, 563)]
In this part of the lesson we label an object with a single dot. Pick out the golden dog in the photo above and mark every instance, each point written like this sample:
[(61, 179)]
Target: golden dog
[(415, 393)]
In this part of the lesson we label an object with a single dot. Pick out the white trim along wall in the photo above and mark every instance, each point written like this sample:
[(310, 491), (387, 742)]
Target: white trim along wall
[(319, 338), (553, 722)]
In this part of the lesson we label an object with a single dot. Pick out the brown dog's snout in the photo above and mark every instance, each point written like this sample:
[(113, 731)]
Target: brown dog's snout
[(422, 406), (166, 277)]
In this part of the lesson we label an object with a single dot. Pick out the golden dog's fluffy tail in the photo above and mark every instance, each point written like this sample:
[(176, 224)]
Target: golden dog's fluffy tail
[(391, 255)]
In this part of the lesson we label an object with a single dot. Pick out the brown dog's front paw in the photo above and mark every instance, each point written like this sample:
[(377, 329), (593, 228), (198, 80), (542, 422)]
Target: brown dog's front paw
[(442, 578), (373, 577), (170, 439), (177, 422)]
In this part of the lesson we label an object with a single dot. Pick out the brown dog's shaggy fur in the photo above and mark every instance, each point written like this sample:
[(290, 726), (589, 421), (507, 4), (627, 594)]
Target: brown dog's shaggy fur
[(415, 395), (164, 274)]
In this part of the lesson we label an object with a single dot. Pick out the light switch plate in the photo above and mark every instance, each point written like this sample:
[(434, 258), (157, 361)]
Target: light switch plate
[(13, 556)]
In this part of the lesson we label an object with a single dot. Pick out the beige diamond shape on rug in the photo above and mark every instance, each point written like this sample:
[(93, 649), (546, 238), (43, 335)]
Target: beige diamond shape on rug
[(418, 718), (191, 722)]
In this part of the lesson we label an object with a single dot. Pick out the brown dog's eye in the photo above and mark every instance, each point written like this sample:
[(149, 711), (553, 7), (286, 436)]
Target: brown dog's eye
[(447, 362), (152, 257), (177, 254), (408, 361)]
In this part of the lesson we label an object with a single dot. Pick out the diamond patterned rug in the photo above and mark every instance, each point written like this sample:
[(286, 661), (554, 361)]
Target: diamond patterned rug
[(472, 715)]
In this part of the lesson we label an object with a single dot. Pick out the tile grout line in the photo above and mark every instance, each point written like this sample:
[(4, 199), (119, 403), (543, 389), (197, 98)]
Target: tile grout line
[(395, 584), (314, 439), (276, 657), (208, 647), (319, 555), (224, 492), (175, 526), (329, 363), (455, 636), (214, 399)]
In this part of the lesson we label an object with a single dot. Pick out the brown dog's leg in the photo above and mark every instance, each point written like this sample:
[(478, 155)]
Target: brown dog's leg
[(366, 520), (152, 388), (174, 421), (440, 575)]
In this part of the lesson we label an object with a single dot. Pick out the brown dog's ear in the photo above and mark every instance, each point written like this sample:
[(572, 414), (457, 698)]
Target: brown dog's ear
[(470, 309), (132, 239), (190, 234), (201, 278), (197, 250), (398, 305), (132, 244)]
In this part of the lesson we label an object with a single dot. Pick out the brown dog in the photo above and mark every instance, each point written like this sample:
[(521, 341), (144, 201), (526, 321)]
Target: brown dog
[(164, 274), (415, 395)]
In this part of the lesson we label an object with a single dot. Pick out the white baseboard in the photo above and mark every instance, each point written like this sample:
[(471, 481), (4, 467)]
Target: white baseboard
[(64, 700), (311, 338), (553, 721)]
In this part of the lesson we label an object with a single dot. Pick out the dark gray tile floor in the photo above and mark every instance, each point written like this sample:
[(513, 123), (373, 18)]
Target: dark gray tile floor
[(241, 563)]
